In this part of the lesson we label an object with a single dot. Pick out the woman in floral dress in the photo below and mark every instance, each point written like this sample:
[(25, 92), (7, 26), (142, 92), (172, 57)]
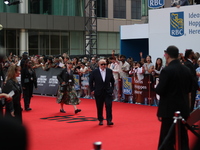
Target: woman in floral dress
[(66, 93)]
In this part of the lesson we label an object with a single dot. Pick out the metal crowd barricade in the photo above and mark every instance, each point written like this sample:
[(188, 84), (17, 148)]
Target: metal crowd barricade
[(48, 85)]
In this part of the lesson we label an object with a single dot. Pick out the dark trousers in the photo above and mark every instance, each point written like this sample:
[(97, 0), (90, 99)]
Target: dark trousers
[(170, 144), (27, 93), (100, 100)]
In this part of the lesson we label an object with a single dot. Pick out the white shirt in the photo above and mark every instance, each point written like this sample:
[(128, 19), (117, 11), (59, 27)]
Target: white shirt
[(124, 67), (103, 74), (115, 68)]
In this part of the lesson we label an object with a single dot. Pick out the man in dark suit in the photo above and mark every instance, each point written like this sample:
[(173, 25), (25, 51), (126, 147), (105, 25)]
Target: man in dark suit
[(101, 83), (189, 57), (175, 84)]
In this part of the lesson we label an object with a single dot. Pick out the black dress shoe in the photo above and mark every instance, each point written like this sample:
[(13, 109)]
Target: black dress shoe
[(28, 109), (62, 111), (110, 123), (77, 110), (100, 123)]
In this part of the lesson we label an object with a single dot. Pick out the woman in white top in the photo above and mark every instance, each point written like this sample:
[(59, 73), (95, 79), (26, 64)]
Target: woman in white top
[(158, 67), (84, 73), (148, 79), (148, 66)]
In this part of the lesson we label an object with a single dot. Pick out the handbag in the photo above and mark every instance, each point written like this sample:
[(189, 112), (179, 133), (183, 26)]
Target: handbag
[(62, 88)]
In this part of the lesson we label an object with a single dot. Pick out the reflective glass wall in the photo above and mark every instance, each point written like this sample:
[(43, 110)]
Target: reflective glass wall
[(57, 7), (145, 8), (56, 42), (43, 42), (9, 41), (108, 42)]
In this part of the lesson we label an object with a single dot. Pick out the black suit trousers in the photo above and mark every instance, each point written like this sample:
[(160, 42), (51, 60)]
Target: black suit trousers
[(100, 100), (27, 93)]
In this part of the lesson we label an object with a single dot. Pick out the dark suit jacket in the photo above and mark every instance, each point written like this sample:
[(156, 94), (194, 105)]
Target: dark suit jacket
[(26, 75), (9, 86), (98, 86), (64, 76), (190, 65), (175, 82)]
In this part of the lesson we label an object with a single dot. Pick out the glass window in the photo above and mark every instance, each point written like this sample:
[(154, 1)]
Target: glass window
[(40, 6), (55, 43), (108, 42), (11, 42), (120, 9), (65, 43), (57, 7), (33, 42), (145, 8), (44, 43), (136, 9), (76, 43), (102, 8)]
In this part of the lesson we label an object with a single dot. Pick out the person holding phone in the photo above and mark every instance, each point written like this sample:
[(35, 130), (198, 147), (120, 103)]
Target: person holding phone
[(13, 88)]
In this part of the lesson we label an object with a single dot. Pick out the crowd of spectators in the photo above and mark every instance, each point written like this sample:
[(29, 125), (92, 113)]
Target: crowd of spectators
[(121, 66)]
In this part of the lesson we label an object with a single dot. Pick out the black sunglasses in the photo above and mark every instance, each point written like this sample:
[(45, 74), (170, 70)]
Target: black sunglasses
[(103, 64)]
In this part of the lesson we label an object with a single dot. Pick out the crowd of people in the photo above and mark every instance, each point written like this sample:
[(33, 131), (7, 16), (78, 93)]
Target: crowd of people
[(119, 64), (143, 70), (178, 79)]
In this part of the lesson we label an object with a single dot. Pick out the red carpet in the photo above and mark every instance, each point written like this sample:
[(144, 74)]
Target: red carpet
[(135, 126)]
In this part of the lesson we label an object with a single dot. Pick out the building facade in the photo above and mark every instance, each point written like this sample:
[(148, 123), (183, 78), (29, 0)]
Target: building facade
[(52, 27)]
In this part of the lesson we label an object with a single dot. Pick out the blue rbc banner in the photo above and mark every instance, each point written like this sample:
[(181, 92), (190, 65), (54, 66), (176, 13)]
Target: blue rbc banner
[(177, 24), (127, 85), (155, 3), (76, 82)]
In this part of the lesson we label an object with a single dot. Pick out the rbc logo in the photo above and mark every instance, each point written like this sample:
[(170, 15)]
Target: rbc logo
[(156, 3), (177, 24)]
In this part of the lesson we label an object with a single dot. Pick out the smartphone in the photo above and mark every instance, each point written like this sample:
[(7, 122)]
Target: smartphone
[(11, 93)]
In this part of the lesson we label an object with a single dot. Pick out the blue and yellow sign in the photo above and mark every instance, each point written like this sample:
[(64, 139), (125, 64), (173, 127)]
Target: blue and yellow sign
[(127, 85), (156, 3), (76, 82), (177, 24)]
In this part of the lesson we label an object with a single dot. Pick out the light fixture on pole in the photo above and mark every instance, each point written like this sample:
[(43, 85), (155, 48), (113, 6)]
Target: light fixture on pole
[(1, 27), (7, 2)]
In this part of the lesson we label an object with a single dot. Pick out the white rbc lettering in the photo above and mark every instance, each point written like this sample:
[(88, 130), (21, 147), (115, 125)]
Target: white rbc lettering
[(127, 91), (177, 32), (155, 3)]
